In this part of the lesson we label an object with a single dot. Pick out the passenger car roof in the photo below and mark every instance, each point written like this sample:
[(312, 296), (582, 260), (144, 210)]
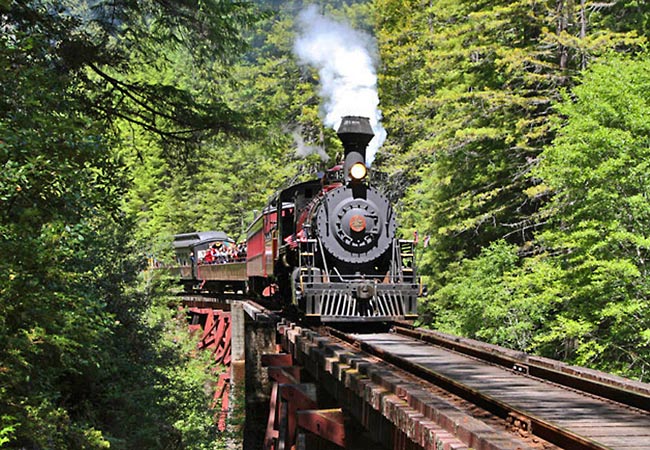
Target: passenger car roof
[(188, 239)]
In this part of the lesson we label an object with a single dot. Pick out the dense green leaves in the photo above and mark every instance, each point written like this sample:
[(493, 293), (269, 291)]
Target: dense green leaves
[(475, 83), (598, 167), (57, 177), (469, 90), (578, 291), (79, 365), (501, 299), (230, 177)]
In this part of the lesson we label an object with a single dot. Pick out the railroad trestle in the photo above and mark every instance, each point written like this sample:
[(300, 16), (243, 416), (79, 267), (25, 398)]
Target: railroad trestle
[(410, 389)]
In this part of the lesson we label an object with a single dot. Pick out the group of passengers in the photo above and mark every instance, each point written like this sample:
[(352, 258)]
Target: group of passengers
[(220, 253)]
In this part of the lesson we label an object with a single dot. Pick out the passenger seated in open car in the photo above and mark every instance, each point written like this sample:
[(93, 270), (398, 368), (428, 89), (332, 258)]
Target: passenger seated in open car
[(219, 255), (208, 258), (231, 254), (241, 251)]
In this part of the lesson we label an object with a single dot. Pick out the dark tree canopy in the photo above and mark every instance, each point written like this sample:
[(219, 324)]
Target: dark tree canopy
[(105, 44), (73, 335)]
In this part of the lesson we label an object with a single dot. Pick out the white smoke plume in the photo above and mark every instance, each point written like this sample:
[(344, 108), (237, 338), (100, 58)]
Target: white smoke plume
[(303, 149), (345, 61)]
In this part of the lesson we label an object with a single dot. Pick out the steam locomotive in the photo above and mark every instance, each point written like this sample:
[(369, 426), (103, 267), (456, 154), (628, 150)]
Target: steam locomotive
[(327, 247)]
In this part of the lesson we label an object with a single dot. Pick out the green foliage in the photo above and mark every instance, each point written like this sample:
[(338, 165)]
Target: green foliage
[(498, 297), (470, 108), (597, 168), (468, 92), (79, 365), (109, 45), (578, 292), (58, 185), (232, 176)]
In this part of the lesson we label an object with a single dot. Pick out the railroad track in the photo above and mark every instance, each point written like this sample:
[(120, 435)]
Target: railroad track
[(442, 392), (548, 404)]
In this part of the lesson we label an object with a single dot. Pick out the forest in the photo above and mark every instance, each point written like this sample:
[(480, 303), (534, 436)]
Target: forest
[(517, 151)]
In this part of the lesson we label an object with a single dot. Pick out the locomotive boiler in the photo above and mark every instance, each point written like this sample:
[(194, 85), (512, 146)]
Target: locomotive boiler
[(329, 245)]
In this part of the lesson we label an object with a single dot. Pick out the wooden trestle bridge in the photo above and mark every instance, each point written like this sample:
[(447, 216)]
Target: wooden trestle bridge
[(405, 388)]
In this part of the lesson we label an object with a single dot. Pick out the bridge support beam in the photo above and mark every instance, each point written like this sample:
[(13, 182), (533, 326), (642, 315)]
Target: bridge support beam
[(260, 338), (215, 328), (394, 412)]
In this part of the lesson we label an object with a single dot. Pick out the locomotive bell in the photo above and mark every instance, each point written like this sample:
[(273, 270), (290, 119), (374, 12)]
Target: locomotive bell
[(355, 133)]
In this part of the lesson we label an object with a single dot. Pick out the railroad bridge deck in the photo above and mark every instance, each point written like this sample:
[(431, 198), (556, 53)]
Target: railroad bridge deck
[(415, 389)]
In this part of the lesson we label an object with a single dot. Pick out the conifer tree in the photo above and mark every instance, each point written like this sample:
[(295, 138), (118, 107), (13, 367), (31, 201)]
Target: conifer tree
[(470, 87), (597, 167)]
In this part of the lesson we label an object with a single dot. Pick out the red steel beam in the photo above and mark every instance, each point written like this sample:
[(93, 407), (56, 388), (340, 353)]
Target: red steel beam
[(277, 360), (328, 424), (285, 375), (272, 434), (297, 399), (216, 335)]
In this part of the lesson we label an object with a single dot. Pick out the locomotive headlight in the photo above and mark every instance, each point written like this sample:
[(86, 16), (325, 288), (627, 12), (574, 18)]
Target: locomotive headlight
[(358, 171)]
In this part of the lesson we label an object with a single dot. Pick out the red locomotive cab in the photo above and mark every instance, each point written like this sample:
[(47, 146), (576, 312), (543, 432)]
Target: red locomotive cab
[(259, 245), (263, 243)]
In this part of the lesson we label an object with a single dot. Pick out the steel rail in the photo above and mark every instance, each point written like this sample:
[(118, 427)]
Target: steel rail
[(538, 427), (615, 393)]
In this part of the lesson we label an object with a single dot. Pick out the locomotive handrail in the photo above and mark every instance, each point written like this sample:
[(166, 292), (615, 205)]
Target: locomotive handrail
[(391, 271), (322, 252)]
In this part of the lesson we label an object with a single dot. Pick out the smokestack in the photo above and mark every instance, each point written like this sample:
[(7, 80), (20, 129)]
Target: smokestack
[(346, 61), (355, 133)]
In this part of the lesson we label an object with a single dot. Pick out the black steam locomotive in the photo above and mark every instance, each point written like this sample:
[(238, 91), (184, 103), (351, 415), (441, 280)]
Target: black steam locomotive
[(328, 246)]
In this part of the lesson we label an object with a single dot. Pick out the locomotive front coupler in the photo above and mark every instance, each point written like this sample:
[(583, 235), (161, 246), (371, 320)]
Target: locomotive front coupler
[(365, 291)]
